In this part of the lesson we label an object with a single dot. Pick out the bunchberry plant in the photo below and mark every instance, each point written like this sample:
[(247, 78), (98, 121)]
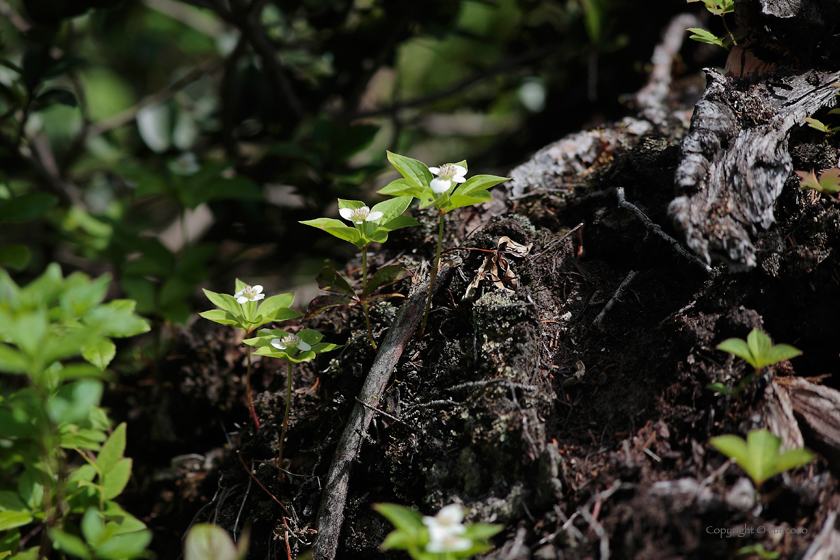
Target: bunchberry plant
[(442, 537), (434, 187), (62, 468), (759, 351), (828, 183), (718, 8), (759, 455), (369, 225), (243, 311), (293, 349)]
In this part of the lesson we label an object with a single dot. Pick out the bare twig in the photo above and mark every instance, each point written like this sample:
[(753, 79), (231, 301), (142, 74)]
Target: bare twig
[(334, 495), (618, 292), (382, 412), (486, 382), (654, 227)]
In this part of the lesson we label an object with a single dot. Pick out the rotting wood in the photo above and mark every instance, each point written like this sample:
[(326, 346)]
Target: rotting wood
[(334, 495), (735, 158)]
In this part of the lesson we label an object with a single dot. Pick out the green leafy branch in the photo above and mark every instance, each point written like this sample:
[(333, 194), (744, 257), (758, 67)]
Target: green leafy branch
[(718, 8), (828, 182), (758, 351), (759, 455)]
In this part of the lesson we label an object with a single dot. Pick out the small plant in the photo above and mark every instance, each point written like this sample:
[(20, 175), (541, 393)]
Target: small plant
[(758, 550), (50, 419), (817, 124), (241, 311), (759, 455), (718, 8), (419, 181), (369, 226), (759, 351), (210, 542), (828, 183), (293, 349), (442, 537)]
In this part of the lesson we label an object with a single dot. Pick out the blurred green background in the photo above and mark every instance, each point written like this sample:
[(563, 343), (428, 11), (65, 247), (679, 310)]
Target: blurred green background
[(176, 144)]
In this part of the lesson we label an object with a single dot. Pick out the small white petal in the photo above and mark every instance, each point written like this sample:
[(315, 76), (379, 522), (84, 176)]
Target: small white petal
[(241, 299), (373, 216), (435, 170), (346, 213), (450, 543), (257, 288), (258, 297), (451, 514), (440, 185), (238, 294), (277, 343), (303, 347), (460, 170), (459, 179)]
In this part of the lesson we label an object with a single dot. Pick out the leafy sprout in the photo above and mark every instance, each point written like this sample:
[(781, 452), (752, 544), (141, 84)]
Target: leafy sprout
[(419, 181), (294, 348), (828, 182), (243, 311), (369, 225), (758, 351), (718, 8), (759, 455)]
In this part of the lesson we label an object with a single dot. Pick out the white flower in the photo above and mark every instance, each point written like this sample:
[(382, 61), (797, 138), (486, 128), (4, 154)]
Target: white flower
[(290, 341), (186, 164), (445, 175), (359, 215), (249, 293), (449, 543), (445, 529)]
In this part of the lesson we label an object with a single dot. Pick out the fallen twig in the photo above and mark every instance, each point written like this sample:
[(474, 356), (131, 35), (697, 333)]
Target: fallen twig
[(618, 292), (654, 227), (334, 495)]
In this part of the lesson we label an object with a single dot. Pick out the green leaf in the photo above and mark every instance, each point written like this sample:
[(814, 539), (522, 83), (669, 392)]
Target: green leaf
[(112, 450), (11, 519), (479, 183), (719, 388), (205, 541), (115, 480), (401, 517), (792, 459), (330, 280), (759, 345), (392, 208), (335, 228), (125, 545), (816, 124), (276, 303), (309, 336), (703, 36), (74, 401), (68, 543), (759, 455), (225, 302), (479, 531), (324, 347), (322, 303), (219, 316), (398, 223), (471, 199), (398, 540), (93, 528), (12, 361), (404, 187), (15, 256), (26, 207), (99, 351), (80, 370), (781, 352), (384, 277), (411, 169), (737, 347), (11, 501), (117, 319), (733, 447), (351, 204)]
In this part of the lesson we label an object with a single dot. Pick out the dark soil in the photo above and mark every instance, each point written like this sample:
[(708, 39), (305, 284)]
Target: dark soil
[(580, 436)]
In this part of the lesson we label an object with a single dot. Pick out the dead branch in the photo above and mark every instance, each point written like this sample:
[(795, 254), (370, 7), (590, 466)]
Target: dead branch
[(334, 495), (620, 290)]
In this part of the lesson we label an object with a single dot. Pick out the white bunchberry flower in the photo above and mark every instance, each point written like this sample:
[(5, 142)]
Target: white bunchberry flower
[(186, 164), (446, 174), (359, 215), (249, 293), (448, 543), (445, 529), (290, 341)]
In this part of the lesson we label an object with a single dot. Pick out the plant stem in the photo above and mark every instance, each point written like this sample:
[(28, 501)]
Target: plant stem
[(364, 301), (731, 36), (433, 274), (285, 418), (248, 390)]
